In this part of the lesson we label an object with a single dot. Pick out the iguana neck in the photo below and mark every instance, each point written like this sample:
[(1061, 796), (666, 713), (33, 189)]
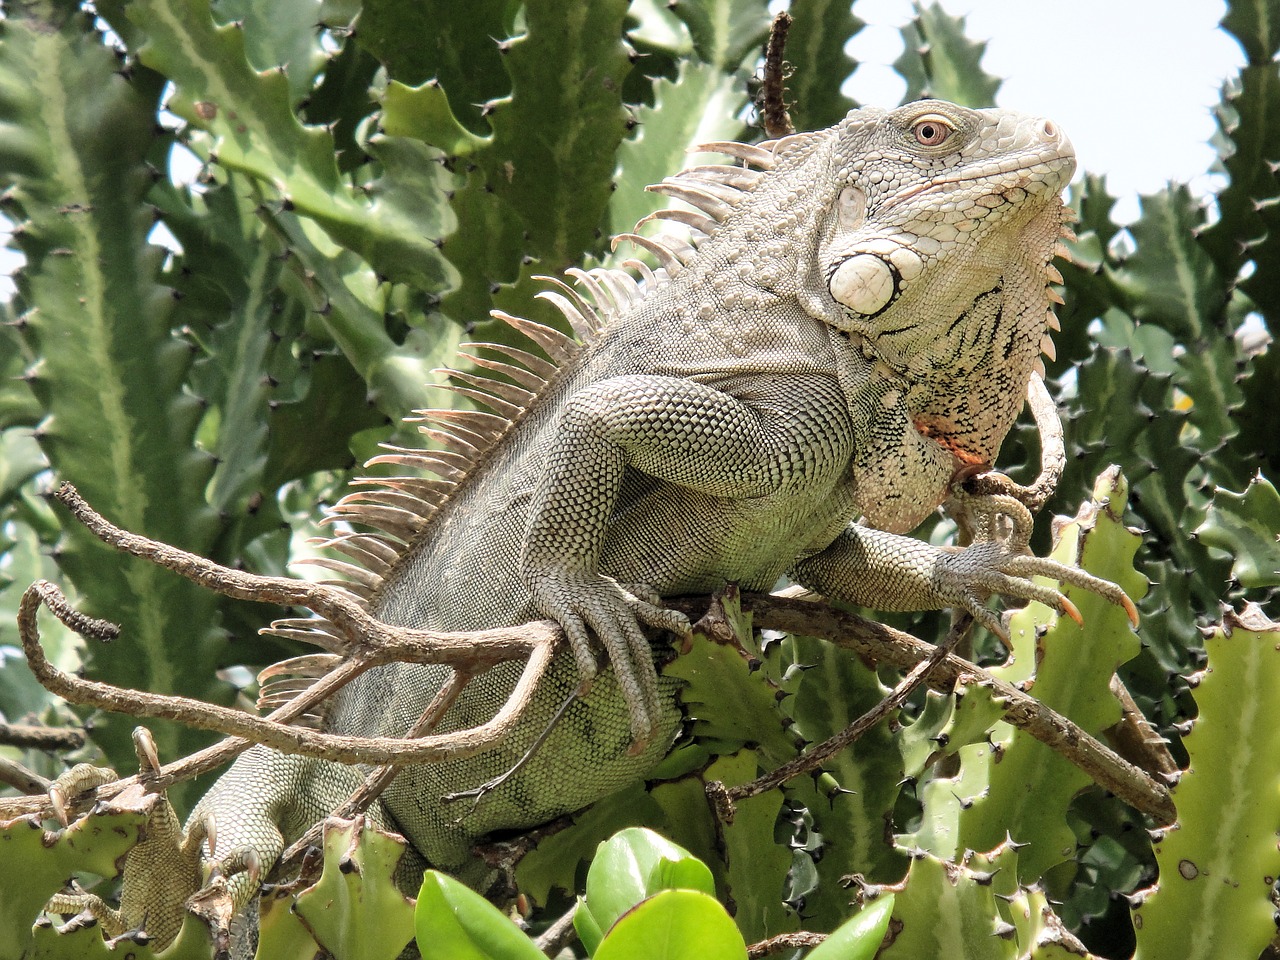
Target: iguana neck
[(962, 374)]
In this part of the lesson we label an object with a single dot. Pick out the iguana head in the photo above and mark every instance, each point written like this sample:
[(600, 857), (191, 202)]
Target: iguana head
[(934, 201), (935, 257)]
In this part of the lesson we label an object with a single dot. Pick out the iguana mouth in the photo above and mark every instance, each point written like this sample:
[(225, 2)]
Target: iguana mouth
[(936, 184)]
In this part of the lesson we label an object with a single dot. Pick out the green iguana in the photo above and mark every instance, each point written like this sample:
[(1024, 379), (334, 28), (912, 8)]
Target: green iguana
[(853, 327)]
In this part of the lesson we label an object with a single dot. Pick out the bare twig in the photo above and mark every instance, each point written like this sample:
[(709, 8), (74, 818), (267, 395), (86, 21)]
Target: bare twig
[(387, 644), (370, 642), (1135, 739), (33, 737), (18, 776), (883, 644), (773, 92), (813, 758), (784, 941), (558, 936)]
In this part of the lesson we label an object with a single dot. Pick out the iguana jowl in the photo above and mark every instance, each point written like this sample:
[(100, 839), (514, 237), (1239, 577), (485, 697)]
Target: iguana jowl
[(855, 325)]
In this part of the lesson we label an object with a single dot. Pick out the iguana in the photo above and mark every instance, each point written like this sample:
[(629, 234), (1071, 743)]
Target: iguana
[(852, 327)]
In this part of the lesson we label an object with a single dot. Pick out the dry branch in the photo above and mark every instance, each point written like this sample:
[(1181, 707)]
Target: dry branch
[(30, 736), (882, 644), (773, 90), (371, 642)]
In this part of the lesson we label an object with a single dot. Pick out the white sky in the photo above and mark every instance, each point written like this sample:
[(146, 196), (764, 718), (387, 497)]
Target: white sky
[(1132, 82)]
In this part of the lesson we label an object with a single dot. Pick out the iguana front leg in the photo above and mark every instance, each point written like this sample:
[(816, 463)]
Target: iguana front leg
[(885, 571), (677, 430)]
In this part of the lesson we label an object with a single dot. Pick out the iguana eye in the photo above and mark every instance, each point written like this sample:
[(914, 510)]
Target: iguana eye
[(931, 131)]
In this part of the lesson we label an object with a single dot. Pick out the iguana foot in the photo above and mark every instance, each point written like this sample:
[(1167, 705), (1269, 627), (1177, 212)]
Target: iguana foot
[(580, 602), (160, 871), (1001, 563), (81, 778), (967, 577)]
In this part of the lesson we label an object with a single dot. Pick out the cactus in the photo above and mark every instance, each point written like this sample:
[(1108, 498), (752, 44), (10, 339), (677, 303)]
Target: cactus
[(1218, 865)]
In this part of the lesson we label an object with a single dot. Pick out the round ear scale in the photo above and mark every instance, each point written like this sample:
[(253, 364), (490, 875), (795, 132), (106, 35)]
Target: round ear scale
[(865, 283)]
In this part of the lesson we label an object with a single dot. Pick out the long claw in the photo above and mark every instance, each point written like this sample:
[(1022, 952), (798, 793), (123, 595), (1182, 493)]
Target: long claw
[(58, 800), (144, 745), (210, 825), (1069, 608), (1129, 608)]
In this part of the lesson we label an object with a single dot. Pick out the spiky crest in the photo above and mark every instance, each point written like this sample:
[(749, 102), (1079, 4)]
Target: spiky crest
[(507, 381)]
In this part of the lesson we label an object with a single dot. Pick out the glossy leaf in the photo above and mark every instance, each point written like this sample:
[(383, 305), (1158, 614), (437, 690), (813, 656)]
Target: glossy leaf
[(674, 925), (453, 922), (633, 865), (859, 937)]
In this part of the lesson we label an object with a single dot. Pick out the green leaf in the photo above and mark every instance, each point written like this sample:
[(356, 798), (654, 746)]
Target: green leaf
[(457, 45), (635, 864), (942, 909), (453, 922), (724, 32), (1219, 864), (194, 942), (756, 865), (553, 863), (1170, 280), (674, 925), (1247, 526), (1258, 437), (944, 801), (555, 138), (538, 193), (117, 422), (701, 105), (423, 112), (282, 934), (350, 307), (851, 809), (279, 35), (1249, 143), (728, 699), (255, 131), (1123, 412), (38, 863), (859, 937)]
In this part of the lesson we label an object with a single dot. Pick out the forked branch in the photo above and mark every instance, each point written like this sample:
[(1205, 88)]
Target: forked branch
[(367, 642)]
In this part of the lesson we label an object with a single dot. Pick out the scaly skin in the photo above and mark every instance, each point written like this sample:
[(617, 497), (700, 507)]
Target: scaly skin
[(859, 327)]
